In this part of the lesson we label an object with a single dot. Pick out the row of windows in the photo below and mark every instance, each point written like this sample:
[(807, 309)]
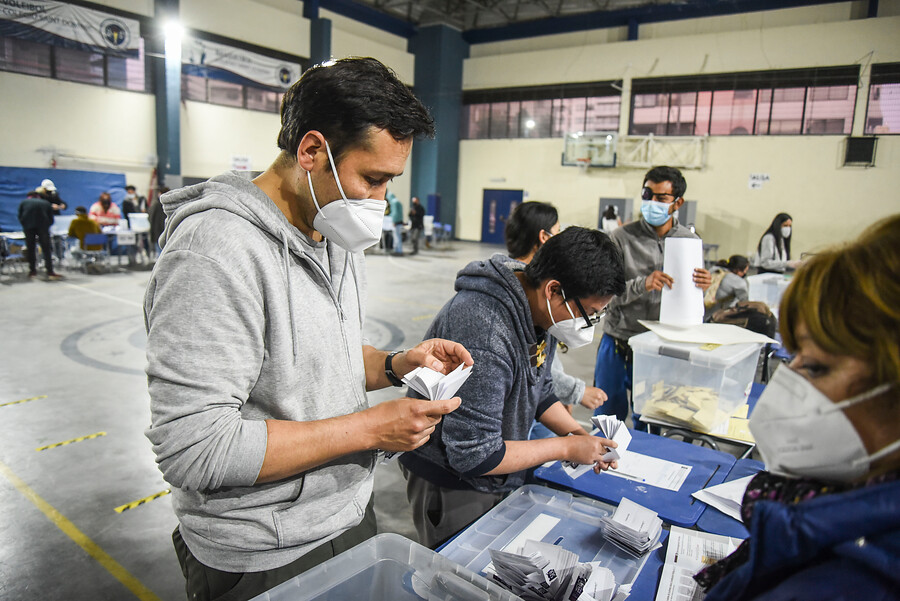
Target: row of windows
[(540, 118), (214, 91)]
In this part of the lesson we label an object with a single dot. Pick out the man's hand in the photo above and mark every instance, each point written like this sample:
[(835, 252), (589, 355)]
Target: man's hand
[(405, 424), (702, 279), (589, 450), (437, 354), (656, 281), (593, 397)]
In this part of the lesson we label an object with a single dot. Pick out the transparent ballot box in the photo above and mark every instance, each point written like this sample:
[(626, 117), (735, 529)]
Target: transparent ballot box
[(551, 516), (767, 288), (387, 567), (694, 385)]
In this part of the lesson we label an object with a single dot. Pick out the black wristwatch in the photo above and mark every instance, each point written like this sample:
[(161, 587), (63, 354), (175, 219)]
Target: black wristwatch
[(389, 370)]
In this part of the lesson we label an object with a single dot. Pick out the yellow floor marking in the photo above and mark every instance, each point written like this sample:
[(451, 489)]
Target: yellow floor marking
[(34, 398), (65, 442), (139, 502), (90, 547)]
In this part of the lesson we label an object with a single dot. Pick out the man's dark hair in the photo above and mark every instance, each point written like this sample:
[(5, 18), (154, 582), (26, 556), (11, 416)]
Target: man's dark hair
[(131, 188), (658, 175), (584, 261), (81, 210), (524, 226), (343, 100)]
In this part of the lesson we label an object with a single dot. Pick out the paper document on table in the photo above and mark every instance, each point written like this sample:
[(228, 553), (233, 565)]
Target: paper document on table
[(633, 528), (726, 497), (651, 470), (682, 304), (705, 333), (688, 552), (434, 385)]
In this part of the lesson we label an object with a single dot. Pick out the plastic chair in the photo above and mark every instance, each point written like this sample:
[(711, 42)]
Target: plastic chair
[(94, 249), (8, 257)]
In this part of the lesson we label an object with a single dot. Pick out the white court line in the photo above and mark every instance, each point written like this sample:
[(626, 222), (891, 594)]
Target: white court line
[(104, 295)]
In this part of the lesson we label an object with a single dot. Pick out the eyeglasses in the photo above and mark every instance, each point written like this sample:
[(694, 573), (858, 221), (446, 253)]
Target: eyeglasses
[(590, 320), (648, 194)]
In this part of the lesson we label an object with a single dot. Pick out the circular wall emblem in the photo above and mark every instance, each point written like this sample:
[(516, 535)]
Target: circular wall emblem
[(284, 75), (115, 33)]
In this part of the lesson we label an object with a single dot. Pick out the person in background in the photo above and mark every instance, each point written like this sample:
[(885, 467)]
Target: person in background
[(732, 287), (132, 203), (642, 244), (36, 216), (397, 218), (416, 222), (610, 220), (510, 316), (529, 226), (824, 520), (105, 212), (82, 225), (773, 253)]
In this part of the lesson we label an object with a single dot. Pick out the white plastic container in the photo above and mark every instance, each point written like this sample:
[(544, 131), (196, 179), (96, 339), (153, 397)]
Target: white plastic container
[(387, 567), (767, 288), (694, 385)]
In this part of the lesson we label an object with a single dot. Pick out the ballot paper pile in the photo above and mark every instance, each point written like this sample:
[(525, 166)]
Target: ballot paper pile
[(541, 571), (613, 429), (694, 406), (434, 385), (633, 528)]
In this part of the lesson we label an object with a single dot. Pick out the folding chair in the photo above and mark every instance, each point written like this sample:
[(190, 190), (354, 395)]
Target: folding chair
[(94, 249)]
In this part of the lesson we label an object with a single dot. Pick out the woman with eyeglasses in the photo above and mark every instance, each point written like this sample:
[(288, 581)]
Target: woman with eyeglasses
[(824, 521), (773, 253)]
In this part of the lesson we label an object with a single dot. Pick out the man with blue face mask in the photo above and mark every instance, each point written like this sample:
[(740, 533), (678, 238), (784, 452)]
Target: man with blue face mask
[(642, 244), (256, 361)]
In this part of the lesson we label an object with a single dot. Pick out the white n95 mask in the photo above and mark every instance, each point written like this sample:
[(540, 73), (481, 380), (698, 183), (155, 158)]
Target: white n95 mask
[(800, 432), (569, 332), (354, 225)]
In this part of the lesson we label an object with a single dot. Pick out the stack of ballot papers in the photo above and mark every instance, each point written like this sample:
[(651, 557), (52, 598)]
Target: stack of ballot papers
[(726, 497), (434, 385), (633, 528), (541, 571), (615, 430)]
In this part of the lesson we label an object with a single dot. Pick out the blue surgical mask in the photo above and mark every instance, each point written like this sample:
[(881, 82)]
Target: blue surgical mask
[(655, 213)]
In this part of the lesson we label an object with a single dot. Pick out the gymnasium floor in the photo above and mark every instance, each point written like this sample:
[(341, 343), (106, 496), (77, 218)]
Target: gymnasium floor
[(73, 358)]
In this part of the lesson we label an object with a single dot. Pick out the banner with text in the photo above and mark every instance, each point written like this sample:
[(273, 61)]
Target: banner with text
[(60, 24), (218, 61)]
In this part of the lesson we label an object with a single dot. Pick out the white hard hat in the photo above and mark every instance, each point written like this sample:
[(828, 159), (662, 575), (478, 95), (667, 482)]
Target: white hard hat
[(48, 185)]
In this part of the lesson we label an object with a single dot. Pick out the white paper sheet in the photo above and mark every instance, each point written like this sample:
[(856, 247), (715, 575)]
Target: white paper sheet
[(651, 470), (683, 303), (726, 497), (688, 552), (705, 333)]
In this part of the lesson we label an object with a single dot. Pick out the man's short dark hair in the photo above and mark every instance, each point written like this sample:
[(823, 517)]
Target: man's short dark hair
[(81, 210), (130, 187), (658, 175), (343, 100), (584, 261), (524, 226)]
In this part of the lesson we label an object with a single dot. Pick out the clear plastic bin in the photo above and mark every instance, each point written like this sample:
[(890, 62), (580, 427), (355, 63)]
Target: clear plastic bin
[(387, 567), (694, 385), (551, 516), (767, 288)]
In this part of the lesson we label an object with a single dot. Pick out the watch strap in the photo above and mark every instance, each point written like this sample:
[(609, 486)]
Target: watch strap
[(389, 370)]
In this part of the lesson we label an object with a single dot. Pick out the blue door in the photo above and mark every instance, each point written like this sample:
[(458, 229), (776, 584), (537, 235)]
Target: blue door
[(498, 204)]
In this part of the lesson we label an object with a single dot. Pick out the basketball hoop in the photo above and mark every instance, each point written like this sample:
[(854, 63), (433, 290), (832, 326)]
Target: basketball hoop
[(583, 164)]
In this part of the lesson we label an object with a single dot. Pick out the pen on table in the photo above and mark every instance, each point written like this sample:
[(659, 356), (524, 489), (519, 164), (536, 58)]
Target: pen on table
[(707, 481)]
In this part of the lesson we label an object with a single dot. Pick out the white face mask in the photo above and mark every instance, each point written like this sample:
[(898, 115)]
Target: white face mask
[(800, 432), (354, 225), (570, 332), (786, 231)]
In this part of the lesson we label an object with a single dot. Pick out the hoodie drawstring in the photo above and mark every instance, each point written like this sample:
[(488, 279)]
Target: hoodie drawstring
[(290, 291)]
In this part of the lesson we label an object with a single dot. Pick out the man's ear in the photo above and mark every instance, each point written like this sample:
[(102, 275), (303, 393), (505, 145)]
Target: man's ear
[(677, 204), (312, 144), (551, 287)]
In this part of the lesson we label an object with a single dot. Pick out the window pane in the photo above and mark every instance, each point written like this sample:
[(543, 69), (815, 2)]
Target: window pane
[(650, 114), (193, 87), (787, 110), (602, 113), (512, 120), (127, 73), (883, 113), (476, 121), (681, 113), (568, 116), (763, 110), (499, 124), (704, 108), (262, 100), (732, 112), (829, 109), (23, 56), (224, 92), (78, 65), (534, 119)]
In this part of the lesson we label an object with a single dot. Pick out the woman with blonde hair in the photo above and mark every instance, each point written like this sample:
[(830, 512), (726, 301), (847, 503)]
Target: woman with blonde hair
[(824, 520)]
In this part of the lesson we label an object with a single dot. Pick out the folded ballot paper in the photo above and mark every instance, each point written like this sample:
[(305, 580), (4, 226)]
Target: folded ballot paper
[(726, 497), (633, 528), (541, 571), (434, 385), (611, 428)]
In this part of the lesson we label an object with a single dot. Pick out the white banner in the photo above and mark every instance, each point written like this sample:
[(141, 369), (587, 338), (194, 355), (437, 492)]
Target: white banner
[(272, 72), (34, 19)]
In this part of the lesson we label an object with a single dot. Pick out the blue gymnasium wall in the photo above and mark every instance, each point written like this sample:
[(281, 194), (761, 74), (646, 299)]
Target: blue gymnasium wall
[(77, 188)]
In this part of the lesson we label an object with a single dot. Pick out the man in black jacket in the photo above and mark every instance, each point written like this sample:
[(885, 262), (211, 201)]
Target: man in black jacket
[(36, 217)]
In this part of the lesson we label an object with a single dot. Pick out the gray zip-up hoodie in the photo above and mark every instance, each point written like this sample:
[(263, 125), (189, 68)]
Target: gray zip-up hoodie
[(489, 316), (643, 252), (247, 321)]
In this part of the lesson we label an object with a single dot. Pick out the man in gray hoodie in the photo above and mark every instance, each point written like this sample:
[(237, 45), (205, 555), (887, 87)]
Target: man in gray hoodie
[(510, 317), (257, 366)]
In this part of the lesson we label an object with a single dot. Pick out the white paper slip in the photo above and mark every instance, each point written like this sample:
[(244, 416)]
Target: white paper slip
[(615, 430), (705, 333), (726, 497), (682, 304), (688, 552), (434, 385), (651, 470), (633, 527)]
